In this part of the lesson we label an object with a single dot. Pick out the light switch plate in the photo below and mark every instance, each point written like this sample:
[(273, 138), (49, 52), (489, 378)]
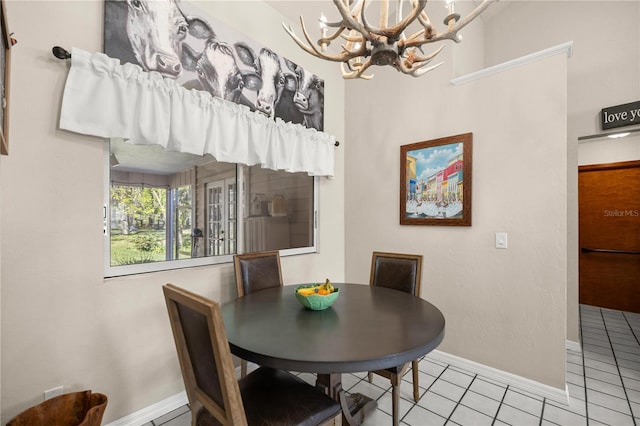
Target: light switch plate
[(501, 240)]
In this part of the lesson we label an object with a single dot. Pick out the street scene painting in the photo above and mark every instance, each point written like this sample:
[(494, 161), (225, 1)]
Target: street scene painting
[(179, 41), (435, 182)]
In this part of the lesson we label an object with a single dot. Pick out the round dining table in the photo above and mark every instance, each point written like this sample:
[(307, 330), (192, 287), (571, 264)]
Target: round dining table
[(367, 328)]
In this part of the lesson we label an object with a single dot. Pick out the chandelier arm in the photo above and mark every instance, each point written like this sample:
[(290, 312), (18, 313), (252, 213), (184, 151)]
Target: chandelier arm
[(421, 70), (359, 42), (418, 36), (355, 10), (357, 73), (399, 10), (425, 22), (452, 34), (417, 66), (299, 42), (393, 32), (429, 56), (352, 39), (335, 35), (348, 21), (422, 59), (384, 13), (311, 49), (353, 68)]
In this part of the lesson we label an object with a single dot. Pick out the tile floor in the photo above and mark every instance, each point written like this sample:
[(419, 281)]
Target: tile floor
[(608, 368)]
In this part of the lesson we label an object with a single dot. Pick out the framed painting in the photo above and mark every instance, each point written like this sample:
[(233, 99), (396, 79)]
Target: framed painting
[(5, 66), (435, 181)]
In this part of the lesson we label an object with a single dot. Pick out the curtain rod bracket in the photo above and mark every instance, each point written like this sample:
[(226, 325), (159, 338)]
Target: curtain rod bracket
[(61, 53)]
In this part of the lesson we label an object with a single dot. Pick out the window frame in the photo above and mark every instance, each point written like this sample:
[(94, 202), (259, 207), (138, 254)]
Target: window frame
[(167, 265)]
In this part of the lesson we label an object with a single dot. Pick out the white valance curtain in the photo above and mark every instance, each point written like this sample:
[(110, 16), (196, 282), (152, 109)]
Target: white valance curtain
[(106, 99)]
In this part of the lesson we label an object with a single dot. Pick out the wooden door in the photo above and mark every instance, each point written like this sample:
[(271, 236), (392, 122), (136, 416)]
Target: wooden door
[(609, 221)]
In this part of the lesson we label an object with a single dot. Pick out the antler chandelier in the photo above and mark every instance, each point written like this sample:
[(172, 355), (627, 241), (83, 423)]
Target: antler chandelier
[(366, 45)]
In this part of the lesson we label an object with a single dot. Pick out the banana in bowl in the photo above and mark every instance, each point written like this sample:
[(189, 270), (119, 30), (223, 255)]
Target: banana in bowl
[(317, 296)]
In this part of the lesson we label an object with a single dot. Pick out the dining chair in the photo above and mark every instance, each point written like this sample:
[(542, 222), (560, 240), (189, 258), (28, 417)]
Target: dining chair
[(264, 397), (256, 271), (399, 272)]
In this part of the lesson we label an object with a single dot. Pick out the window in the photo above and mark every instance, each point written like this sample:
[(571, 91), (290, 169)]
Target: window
[(168, 210)]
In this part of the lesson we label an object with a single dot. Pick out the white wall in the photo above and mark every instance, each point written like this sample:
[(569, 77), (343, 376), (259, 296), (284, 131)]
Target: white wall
[(504, 308), (603, 71), (62, 323)]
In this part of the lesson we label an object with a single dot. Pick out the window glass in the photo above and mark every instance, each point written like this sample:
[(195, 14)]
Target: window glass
[(138, 224), (167, 210), (279, 213)]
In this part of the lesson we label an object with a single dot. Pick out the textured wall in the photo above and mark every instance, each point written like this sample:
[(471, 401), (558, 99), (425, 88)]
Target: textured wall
[(62, 323), (504, 308), (604, 70)]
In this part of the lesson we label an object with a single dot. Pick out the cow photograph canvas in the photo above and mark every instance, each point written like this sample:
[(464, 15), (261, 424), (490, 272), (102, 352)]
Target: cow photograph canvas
[(177, 40)]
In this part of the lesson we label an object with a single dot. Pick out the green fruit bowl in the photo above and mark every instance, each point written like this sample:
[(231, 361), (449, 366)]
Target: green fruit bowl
[(316, 302)]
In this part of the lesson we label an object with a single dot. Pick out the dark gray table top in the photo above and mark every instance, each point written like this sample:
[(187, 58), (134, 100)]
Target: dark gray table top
[(367, 328)]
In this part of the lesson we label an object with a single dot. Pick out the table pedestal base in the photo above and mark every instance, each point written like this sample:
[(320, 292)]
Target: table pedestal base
[(355, 407)]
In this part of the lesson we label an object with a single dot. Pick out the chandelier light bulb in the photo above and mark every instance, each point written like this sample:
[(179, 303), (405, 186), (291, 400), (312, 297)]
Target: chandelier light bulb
[(450, 5), (323, 29)]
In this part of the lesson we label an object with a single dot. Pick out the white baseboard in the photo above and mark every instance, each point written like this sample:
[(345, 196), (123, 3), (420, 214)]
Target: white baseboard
[(537, 388), (573, 346), (153, 411), (163, 407)]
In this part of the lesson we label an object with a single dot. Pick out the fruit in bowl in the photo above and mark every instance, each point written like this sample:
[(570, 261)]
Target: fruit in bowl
[(317, 296)]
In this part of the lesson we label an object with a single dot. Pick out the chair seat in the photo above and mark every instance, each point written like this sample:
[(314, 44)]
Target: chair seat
[(399, 371), (396, 370), (263, 391)]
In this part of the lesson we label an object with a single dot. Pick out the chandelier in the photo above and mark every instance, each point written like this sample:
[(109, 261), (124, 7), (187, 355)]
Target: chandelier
[(366, 45)]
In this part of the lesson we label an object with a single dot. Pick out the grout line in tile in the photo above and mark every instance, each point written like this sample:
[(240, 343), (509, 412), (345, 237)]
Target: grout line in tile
[(544, 404), (461, 397), (495, 416), (584, 370), (624, 389)]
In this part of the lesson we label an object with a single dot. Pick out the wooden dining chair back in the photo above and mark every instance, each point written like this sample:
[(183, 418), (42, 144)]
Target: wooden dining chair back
[(399, 272), (257, 271), (216, 397), (204, 355)]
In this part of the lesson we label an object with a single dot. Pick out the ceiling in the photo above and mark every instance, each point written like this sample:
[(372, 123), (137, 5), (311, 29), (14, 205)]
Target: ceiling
[(152, 159)]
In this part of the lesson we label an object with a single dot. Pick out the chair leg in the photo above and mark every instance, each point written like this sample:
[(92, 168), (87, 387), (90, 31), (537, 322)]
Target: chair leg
[(395, 398), (243, 368), (416, 389), (370, 376)]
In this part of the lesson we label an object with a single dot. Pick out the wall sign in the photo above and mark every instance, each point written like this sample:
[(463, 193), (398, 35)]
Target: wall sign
[(621, 115)]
